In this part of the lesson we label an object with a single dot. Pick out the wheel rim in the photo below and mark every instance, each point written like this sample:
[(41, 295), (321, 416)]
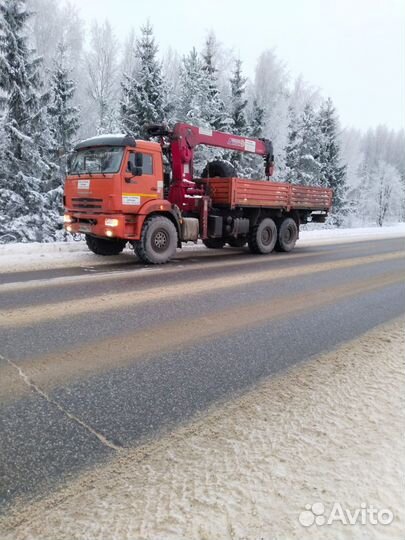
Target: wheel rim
[(160, 240), (267, 236), (289, 234)]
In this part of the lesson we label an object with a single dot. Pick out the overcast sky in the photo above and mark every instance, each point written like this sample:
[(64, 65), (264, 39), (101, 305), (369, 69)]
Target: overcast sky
[(352, 49)]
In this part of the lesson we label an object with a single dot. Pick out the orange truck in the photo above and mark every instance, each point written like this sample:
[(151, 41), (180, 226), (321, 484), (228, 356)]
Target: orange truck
[(121, 190)]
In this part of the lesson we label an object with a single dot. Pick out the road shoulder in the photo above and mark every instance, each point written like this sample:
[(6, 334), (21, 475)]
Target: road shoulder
[(327, 431)]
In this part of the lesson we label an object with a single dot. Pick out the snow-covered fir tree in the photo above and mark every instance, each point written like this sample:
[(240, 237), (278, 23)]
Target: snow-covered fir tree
[(252, 164), (238, 105), (102, 76), (63, 115), (308, 170), (293, 148), (64, 125), (238, 100), (193, 102), (171, 68), (217, 115), (143, 98), (272, 93), (256, 122), (333, 173), (25, 164)]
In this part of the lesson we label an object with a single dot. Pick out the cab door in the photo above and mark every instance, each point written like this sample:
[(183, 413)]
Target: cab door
[(140, 182)]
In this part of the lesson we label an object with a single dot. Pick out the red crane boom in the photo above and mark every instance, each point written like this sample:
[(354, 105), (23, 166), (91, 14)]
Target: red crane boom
[(179, 149)]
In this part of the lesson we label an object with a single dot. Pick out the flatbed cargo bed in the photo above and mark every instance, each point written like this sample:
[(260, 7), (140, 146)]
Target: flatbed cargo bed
[(241, 192)]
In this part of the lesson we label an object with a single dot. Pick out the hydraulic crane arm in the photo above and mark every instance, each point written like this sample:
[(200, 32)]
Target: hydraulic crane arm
[(185, 137)]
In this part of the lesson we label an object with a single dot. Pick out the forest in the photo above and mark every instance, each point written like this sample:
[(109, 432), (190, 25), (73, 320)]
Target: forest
[(62, 81)]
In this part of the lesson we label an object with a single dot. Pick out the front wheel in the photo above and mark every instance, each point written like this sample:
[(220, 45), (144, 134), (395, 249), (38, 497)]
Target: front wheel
[(158, 241), (263, 237), (102, 246)]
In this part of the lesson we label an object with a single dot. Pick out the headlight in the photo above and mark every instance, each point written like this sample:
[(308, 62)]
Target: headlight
[(67, 218), (112, 222)]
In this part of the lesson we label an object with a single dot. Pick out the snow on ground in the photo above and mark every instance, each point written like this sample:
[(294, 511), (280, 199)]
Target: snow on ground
[(327, 431), (332, 236), (36, 256)]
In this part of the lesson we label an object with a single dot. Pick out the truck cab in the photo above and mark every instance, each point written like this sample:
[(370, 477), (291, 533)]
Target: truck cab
[(112, 181)]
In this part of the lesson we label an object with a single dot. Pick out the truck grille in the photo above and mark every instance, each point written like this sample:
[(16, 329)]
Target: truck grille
[(86, 203)]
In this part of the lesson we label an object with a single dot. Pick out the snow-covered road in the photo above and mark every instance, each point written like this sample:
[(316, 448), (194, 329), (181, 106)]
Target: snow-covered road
[(323, 433), (35, 256)]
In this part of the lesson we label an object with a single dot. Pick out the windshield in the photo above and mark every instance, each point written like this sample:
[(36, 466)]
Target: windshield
[(105, 159)]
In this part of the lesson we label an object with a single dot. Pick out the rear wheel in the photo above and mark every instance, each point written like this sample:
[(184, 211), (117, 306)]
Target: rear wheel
[(214, 243), (287, 235), (158, 241), (102, 246), (237, 242), (263, 237)]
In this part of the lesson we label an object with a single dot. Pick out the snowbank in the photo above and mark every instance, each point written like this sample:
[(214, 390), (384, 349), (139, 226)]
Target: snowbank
[(335, 236), (328, 431), (36, 256)]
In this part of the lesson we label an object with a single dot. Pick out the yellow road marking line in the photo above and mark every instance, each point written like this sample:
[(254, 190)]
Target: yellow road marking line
[(36, 314), (209, 260), (185, 263), (118, 351)]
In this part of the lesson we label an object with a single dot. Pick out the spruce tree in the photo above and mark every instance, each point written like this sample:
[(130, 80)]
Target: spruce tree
[(238, 104), (63, 115), (308, 141), (25, 167), (143, 91), (292, 151), (102, 77), (194, 104), (238, 100), (215, 113), (64, 125), (252, 165), (332, 173), (193, 91), (257, 120)]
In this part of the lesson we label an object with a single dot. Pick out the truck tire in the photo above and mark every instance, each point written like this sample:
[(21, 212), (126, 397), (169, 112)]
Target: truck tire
[(263, 237), (220, 168), (214, 243), (158, 241), (102, 246), (237, 242), (287, 235)]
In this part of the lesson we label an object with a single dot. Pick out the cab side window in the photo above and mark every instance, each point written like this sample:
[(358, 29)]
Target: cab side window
[(147, 165), (147, 162)]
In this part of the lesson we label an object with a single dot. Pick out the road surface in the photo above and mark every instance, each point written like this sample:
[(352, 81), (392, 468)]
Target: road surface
[(95, 360)]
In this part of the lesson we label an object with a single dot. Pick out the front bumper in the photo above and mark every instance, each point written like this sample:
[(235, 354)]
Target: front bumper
[(94, 224)]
